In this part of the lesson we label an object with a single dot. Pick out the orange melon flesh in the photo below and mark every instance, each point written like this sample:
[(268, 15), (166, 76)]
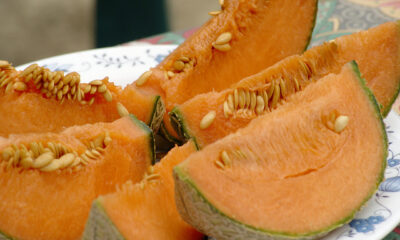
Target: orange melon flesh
[(143, 212), (55, 205), (262, 35), (382, 73), (290, 175), (29, 111)]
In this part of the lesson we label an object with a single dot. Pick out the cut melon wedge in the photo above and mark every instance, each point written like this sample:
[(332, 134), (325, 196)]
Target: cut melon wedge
[(46, 192), (382, 73), (145, 210), (256, 35), (295, 173), (38, 100)]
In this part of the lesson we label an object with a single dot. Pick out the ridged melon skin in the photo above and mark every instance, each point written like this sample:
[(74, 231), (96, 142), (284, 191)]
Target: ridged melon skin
[(99, 225), (200, 213)]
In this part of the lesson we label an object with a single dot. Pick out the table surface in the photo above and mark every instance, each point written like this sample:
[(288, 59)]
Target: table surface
[(335, 18)]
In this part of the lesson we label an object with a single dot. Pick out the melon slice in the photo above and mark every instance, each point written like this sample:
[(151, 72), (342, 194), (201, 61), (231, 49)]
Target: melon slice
[(49, 180), (242, 39), (145, 210), (291, 75), (295, 173), (38, 100)]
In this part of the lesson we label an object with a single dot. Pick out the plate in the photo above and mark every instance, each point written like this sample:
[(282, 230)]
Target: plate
[(123, 65)]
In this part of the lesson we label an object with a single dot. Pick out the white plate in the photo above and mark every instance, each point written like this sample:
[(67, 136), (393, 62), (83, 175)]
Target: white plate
[(125, 64)]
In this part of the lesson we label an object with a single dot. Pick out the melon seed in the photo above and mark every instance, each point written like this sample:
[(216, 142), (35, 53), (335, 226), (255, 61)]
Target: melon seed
[(184, 59), (178, 65), (227, 110), (242, 97), (28, 70), (43, 160), (271, 89), (223, 48), (26, 162), (219, 164), (207, 120), (107, 95), (66, 160), (170, 74), (224, 38), (214, 13), (100, 89), (231, 102), (253, 100), (225, 158), (143, 78), (296, 85), (122, 111), (221, 2), (20, 86), (4, 64), (236, 98), (275, 96), (341, 123), (282, 85), (96, 83), (260, 105), (54, 165)]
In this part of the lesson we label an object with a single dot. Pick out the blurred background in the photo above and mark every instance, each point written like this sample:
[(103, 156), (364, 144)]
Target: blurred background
[(35, 29)]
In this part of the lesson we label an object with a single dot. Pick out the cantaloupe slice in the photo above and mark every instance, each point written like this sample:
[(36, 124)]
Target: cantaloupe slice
[(242, 39), (145, 210), (293, 74), (38, 100), (49, 180), (295, 173)]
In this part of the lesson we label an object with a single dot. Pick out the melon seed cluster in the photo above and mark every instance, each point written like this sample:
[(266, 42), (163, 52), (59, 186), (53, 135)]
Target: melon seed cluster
[(179, 66), (149, 176), (52, 156), (53, 84), (225, 161), (256, 101)]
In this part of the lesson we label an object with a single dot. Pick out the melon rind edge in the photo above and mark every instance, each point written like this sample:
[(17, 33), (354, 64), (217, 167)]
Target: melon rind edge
[(201, 214), (99, 225), (385, 110)]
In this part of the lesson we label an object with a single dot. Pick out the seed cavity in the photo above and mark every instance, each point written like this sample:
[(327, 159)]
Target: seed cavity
[(54, 85), (143, 78), (207, 120), (52, 156)]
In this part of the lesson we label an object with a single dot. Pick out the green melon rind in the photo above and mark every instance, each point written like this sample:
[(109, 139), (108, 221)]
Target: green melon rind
[(99, 225), (4, 236), (200, 213), (385, 110), (178, 123), (157, 114), (144, 127), (165, 134), (312, 27)]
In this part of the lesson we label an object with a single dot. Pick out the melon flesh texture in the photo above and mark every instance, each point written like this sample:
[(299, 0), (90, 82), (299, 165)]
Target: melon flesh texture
[(377, 50), (55, 205), (30, 112), (294, 177), (143, 213)]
